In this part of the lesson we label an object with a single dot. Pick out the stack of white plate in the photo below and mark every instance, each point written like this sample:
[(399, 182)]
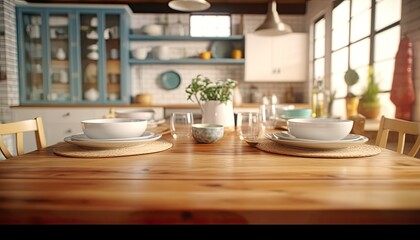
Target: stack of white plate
[(83, 141), (285, 138)]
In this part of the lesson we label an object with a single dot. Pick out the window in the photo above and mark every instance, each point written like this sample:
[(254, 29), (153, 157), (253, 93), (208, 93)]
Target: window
[(363, 33), (319, 49), (210, 25)]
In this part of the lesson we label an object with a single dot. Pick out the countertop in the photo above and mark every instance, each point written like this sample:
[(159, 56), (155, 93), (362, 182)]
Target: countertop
[(135, 105)]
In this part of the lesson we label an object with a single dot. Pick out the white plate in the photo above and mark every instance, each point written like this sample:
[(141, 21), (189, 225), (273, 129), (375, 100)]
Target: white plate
[(112, 144), (83, 137), (285, 135), (316, 144)]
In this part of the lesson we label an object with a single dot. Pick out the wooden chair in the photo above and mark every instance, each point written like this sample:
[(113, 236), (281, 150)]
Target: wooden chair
[(403, 127), (18, 128)]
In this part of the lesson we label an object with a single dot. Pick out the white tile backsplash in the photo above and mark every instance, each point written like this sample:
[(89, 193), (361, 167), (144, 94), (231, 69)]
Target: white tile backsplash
[(146, 78)]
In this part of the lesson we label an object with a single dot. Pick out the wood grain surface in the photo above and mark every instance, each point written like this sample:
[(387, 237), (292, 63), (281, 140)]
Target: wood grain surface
[(224, 182)]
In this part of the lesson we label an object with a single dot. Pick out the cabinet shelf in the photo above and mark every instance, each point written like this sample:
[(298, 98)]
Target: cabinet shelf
[(183, 38), (77, 68), (188, 61)]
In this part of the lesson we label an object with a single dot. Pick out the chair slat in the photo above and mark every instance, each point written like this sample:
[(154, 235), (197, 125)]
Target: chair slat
[(18, 128), (403, 128)]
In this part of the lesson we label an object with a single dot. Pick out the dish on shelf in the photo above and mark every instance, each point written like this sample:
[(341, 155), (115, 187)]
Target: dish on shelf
[(106, 144), (58, 21), (170, 80), (316, 144), (91, 73), (221, 49)]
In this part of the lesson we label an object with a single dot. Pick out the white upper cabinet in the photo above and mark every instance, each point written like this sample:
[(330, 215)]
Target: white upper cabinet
[(276, 59)]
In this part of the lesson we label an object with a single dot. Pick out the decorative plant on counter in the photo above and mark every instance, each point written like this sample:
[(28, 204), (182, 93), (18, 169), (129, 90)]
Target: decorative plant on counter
[(369, 104), (203, 89)]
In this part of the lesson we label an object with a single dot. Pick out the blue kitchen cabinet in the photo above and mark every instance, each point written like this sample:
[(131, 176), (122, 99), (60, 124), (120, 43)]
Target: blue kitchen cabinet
[(73, 55)]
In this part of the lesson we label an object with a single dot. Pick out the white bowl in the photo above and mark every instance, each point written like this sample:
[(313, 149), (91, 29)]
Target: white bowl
[(153, 29), (114, 128), (144, 114), (319, 128)]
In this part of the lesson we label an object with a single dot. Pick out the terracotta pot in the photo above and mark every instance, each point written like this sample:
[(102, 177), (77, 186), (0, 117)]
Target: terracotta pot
[(351, 106), (369, 110)]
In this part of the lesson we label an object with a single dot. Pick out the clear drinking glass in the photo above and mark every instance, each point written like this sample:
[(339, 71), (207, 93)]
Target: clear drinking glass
[(268, 115), (249, 125), (181, 124)]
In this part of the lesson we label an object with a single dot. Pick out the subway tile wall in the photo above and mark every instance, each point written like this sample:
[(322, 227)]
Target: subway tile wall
[(145, 78), (9, 92)]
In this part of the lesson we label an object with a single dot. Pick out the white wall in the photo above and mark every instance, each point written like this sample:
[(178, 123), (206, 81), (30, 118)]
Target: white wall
[(145, 77)]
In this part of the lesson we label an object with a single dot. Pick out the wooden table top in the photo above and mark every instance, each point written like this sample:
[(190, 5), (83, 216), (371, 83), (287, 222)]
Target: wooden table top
[(224, 182)]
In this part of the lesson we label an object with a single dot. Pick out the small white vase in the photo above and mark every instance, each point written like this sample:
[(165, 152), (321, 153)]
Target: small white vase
[(215, 112)]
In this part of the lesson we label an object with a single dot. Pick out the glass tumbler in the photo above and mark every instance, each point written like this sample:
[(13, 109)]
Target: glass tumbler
[(181, 124), (268, 115), (249, 125)]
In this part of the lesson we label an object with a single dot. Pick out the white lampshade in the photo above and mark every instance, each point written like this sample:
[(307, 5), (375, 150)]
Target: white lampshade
[(189, 5), (272, 25)]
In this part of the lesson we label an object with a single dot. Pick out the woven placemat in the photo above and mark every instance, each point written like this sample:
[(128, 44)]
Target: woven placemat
[(71, 150), (361, 150)]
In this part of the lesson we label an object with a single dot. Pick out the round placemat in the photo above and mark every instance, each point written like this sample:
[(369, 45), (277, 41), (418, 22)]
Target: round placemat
[(70, 150), (361, 150)]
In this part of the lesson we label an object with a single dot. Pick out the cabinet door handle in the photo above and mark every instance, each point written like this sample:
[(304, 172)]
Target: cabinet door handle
[(66, 114), (69, 131)]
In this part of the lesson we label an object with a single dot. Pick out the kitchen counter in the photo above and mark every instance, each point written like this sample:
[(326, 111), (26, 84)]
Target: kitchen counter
[(135, 105), (224, 182)]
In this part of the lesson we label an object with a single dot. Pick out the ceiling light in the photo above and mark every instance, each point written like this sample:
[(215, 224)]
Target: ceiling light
[(189, 5), (272, 24)]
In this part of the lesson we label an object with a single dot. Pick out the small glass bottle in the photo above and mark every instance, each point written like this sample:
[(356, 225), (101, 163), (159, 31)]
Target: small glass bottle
[(318, 100)]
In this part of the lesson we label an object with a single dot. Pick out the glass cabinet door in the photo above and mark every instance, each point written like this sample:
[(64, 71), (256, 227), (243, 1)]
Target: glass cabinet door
[(58, 32), (90, 55), (112, 51), (33, 57)]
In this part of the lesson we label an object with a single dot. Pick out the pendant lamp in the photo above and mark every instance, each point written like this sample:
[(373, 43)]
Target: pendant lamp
[(272, 25), (189, 5)]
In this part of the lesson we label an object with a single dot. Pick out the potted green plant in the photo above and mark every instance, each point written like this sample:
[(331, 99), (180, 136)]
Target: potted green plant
[(213, 98), (351, 77), (369, 105)]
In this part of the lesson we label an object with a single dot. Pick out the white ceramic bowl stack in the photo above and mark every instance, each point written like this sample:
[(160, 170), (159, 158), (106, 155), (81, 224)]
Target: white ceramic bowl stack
[(144, 114), (115, 128), (325, 129)]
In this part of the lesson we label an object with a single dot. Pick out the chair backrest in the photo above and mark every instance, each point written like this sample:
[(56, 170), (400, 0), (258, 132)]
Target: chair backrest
[(18, 128), (402, 127)]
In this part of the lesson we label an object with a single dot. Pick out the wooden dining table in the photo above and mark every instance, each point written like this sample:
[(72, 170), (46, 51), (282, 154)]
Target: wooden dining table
[(226, 182)]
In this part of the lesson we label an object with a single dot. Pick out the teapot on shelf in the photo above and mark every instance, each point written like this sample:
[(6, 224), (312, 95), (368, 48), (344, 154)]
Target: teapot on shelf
[(91, 94), (60, 55)]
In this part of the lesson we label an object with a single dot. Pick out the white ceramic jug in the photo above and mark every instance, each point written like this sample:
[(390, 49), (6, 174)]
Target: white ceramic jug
[(61, 55), (215, 112)]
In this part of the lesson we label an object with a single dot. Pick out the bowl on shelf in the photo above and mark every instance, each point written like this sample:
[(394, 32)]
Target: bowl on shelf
[(207, 133), (114, 128), (153, 29), (144, 114), (297, 113), (326, 129)]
